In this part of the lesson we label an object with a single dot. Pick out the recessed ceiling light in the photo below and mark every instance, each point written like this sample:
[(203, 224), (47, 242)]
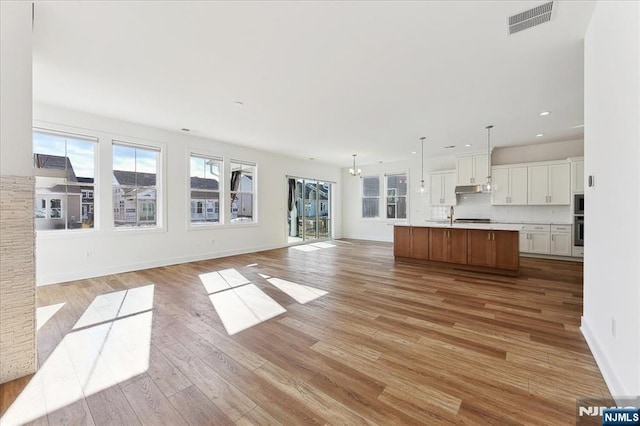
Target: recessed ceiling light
[(449, 147), (184, 129), (414, 152), (238, 103), (311, 158), (380, 161), (539, 135), (578, 126), (545, 113), (468, 145)]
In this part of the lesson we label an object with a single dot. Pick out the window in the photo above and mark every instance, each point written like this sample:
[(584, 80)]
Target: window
[(204, 188), (370, 197), (135, 185), (64, 167), (242, 191), (396, 196)]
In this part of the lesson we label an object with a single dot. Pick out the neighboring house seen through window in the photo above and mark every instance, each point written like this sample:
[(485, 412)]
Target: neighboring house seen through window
[(135, 185), (396, 196), (370, 196), (242, 189), (64, 168), (205, 189)]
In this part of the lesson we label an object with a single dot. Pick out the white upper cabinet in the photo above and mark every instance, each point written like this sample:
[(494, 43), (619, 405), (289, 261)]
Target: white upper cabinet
[(442, 187), (549, 184), (509, 186), (472, 169), (577, 177)]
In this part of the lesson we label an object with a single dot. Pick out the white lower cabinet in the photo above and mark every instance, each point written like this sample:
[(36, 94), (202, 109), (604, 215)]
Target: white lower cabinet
[(535, 239), (561, 240)]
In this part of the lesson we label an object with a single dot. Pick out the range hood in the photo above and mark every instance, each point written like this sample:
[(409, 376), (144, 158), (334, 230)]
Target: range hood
[(471, 189)]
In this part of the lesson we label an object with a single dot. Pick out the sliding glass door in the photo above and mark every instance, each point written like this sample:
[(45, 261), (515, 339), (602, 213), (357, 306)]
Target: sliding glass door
[(308, 209)]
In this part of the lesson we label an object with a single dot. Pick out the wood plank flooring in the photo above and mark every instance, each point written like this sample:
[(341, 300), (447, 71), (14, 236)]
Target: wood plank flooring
[(390, 343)]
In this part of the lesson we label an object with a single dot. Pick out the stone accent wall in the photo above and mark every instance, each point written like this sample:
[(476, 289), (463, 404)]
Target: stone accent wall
[(17, 278)]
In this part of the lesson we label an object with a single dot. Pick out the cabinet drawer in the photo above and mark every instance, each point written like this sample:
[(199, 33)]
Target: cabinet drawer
[(536, 228), (561, 229)]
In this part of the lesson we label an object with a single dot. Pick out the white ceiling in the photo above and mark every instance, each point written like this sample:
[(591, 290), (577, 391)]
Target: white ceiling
[(319, 79)]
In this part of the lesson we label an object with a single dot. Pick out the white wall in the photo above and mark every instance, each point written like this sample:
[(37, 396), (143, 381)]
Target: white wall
[(475, 205), (76, 254), (538, 152), (17, 265), (612, 156)]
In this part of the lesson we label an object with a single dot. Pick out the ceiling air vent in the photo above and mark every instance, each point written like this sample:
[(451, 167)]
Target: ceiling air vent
[(530, 18)]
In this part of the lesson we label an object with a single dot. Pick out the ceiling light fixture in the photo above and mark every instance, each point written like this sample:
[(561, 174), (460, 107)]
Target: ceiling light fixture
[(184, 129), (414, 152), (543, 113), (488, 184), (539, 135), (421, 190), (468, 145), (353, 171), (238, 103)]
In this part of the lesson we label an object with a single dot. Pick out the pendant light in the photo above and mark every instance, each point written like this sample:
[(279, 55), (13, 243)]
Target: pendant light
[(421, 190), (488, 184), (353, 171)]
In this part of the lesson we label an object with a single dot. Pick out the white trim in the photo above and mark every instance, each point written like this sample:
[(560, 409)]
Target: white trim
[(616, 388)]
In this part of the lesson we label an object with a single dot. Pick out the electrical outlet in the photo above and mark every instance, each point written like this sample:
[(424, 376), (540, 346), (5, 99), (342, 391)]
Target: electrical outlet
[(613, 327), (213, 242)]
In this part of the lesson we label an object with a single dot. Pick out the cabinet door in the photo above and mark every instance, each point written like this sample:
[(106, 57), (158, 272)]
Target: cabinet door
[(458, 246), (449, 189), (559, 184), (539, 242), (479, 247), (561, 244), (505, 250), (435, 189), (537, 184), (464, 170), (524, 241), (500, 187), (577, 177), (420, 243), (402, 241), (439, 244), (480, 168), (518, 185)]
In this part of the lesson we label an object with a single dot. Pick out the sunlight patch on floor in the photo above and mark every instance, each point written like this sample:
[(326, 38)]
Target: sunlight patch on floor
[(300, 293), (323, 245), (93, 358), (222, 280), (307, 247), (118, 304), (243, 307), (45, 313)]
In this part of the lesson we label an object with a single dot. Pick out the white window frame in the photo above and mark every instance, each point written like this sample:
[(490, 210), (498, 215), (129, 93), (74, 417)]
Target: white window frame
[(386, 196), (44, 128), (229, 193), (221, 192), (362, 197), (160, 208)]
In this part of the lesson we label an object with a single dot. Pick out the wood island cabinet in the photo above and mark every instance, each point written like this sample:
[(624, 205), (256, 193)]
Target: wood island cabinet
[(498, 249), (476, 249), (448, 245), (411, 241)]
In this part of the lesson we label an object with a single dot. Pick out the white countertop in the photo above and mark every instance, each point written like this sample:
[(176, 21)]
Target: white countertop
[(498, 226), (489, 226)]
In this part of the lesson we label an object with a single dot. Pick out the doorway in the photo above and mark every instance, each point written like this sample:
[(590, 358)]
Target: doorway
[(308, 210)]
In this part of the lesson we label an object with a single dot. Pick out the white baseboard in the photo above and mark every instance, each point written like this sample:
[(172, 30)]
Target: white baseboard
[(616, 388), (117, 269)]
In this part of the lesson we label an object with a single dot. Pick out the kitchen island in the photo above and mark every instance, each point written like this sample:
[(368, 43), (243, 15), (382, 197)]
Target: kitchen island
[(483, 247)]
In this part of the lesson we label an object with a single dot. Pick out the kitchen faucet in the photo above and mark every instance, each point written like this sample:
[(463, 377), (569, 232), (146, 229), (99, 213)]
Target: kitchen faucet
[(450, 217)]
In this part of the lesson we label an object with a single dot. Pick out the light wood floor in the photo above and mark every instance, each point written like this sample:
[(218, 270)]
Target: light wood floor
[(391, 343)]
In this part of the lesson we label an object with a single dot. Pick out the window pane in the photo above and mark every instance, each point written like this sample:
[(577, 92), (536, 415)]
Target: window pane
[(242, 208), (205, 173), (65, 171), (397, 182), (205, 207), (401, 208), (371, 187), (241, 177), (369, 207), (134, 179)]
